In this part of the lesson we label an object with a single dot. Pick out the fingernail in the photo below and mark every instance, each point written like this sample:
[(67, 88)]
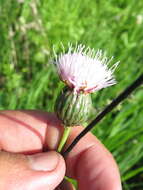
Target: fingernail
[(44, 161)]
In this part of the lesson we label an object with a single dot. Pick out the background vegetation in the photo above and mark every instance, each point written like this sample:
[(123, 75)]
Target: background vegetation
[(28, 31)]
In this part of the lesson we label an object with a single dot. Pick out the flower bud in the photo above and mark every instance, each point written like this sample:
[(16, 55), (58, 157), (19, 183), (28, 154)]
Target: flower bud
[(73, 108)]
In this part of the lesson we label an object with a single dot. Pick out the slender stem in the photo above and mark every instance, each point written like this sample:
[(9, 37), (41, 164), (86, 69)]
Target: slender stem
[(107, 109), (64, 138)]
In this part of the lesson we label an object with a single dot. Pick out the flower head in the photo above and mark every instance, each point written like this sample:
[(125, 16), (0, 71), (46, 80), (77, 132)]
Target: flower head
[(85, 70)]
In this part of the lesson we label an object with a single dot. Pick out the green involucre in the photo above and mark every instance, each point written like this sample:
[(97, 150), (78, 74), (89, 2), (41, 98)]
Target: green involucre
[(73, 108)]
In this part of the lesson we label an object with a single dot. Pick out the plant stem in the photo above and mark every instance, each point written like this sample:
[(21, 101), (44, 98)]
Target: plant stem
[(64, 138)]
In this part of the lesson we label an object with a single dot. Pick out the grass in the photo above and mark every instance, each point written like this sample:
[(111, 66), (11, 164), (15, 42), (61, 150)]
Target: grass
[(28, 31)]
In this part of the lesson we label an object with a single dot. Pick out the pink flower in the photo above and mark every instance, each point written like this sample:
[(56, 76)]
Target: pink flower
[(84, 69)]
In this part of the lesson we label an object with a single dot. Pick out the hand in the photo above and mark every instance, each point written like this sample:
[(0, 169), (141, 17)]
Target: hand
[(24, 164)]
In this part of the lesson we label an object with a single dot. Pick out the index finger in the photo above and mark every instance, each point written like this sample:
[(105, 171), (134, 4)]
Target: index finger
[(26, 131)]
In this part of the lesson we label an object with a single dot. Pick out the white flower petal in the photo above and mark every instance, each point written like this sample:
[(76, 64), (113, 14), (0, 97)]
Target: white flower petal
[(85, 70)]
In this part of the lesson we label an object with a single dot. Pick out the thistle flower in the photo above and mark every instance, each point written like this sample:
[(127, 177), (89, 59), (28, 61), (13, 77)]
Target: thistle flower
[(85, 70)]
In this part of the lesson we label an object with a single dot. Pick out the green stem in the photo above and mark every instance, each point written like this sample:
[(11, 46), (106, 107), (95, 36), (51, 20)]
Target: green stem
[(64, 138)]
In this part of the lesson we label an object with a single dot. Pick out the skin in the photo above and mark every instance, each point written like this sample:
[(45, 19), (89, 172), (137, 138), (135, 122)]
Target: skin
[(28, 160)]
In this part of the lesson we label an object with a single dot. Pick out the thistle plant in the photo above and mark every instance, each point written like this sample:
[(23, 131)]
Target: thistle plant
[(84, 71)]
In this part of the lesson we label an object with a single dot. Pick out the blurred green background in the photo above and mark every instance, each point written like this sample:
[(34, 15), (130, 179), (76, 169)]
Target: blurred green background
[(28, 31)]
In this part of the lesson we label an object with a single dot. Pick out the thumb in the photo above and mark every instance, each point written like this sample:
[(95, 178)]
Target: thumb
[(40, 171)]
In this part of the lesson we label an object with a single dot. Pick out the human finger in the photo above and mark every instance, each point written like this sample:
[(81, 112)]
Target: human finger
[(91, 164), (28, 131), (35, 172)]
